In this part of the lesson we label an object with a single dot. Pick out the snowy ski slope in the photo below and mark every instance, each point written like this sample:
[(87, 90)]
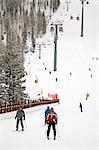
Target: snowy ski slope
[(78, 131)]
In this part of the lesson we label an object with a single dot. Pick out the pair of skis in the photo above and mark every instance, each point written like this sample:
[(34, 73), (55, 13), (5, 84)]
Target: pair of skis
[(57, 131), (19, 129)]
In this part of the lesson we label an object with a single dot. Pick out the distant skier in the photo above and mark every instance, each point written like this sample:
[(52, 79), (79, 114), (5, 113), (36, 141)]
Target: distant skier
[(91, 75), (52, 121), (49, 72), (47, 111), (70, 74), (81, 107), (89, 69), (56, 79), (20, 115), (87, 95)]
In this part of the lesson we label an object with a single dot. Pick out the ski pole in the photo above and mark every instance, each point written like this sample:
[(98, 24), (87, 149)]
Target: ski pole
[(45, 129), (58, 132), (25, 123)]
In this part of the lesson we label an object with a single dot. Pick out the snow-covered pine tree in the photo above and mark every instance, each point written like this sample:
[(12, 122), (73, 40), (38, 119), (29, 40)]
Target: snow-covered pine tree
[(13, 68), (32, 24), (24, 35), (38, 21), (51, 4), (34, 3), (33, 39), (3, 87), (43, 23), (56, 3), (1, 4)]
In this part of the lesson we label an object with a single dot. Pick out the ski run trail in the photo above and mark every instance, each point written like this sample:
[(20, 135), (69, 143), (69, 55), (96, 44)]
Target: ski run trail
[(78, 55)]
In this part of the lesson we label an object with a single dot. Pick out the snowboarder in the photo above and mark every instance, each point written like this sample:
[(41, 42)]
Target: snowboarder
[(52, 121), (20, 115), (81, 107), (47, 111)]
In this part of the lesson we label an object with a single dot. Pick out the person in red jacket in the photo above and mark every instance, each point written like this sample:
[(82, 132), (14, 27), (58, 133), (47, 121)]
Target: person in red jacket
[(52, 121)]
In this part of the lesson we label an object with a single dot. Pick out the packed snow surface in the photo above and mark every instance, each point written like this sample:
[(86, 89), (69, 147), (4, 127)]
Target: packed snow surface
[(77, 75)]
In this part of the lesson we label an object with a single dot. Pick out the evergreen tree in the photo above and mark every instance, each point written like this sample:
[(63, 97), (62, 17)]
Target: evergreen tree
[(34, 3), (39, 21), (12, 68), (1, 4), (43, 23), (32, 24), (24, 35), (33, 39), (3, 87), (51, 4), (56, 3)]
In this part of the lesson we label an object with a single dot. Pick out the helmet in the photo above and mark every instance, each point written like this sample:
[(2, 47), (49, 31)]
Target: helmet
[(52, 109), (47, 107)]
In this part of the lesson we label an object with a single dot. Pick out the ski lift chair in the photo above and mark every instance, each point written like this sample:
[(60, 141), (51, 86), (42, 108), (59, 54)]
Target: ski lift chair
[(52, 29), (77, 18), (26, 51), (87, 2), (61, 29), (71, 17)]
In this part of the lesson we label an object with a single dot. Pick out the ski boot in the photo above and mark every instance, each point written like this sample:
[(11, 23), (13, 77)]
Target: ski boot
[(22, 129), (16, 129), (48, 137), (54, 138)]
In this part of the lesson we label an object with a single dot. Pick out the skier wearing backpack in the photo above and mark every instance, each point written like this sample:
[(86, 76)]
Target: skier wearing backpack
[(20, 115), (52, 121), (47, 111)]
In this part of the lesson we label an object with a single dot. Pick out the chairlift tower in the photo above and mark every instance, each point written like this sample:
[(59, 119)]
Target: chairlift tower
[(82, 16), (40, 45), (55, 26), (67, 2), (39, 51)]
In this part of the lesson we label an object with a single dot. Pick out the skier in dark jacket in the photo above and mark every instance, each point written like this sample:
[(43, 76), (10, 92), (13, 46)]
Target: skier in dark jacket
[(87, 95), (47, 111), (20, 115), (52, 121), (81, 107)]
